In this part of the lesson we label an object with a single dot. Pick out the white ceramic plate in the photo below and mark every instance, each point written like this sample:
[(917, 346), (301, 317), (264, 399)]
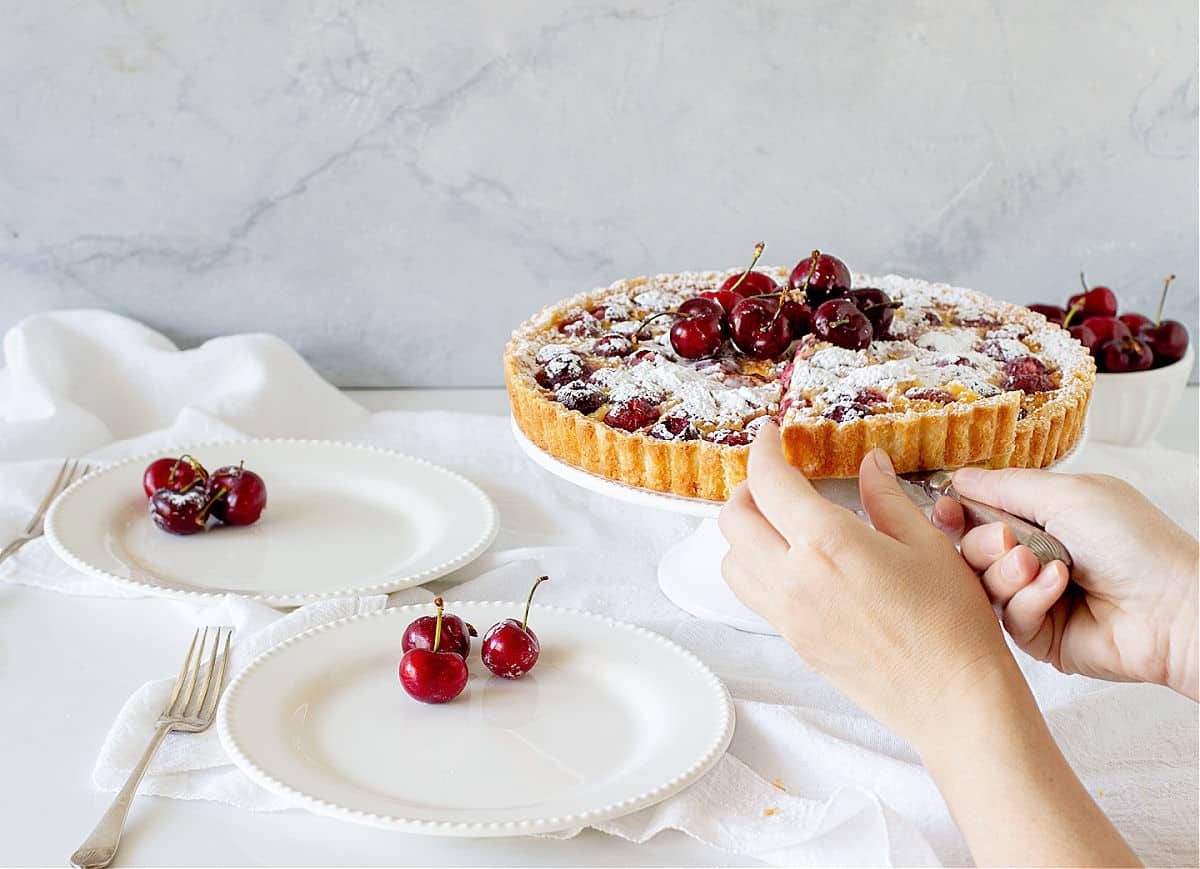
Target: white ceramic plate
[(341, 519), (612, 719)]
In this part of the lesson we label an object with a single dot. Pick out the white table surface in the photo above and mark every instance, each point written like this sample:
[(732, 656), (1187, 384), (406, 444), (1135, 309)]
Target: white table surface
[(67, 664)]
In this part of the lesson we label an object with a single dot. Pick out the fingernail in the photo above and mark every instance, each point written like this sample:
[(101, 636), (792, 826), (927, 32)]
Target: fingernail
[(968, 475), (1049, 577), (883, 462), (1010, 567), (992, 544)]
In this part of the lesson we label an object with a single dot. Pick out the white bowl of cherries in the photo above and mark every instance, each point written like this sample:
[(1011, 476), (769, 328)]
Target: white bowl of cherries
[(1143, 365)]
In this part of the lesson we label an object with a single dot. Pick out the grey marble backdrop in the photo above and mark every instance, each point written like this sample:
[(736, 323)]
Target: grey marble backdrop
[(392, 186)]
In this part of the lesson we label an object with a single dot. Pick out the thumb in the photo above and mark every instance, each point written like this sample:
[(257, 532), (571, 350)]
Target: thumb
[(888, 507), (1025, 492)]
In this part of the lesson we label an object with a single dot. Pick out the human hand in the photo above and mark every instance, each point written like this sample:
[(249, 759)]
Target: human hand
[(1130, 614), (892, 614)]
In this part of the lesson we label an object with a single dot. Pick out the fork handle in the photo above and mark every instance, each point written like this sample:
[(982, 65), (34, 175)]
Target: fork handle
[(1042, 543), (99, 849), (13, 547)]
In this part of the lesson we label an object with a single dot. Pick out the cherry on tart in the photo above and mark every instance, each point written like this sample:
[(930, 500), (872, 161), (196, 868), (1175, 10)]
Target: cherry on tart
[(240, 496), (177, 474), (1028, 374), (878, 307), (1168, 338), (1126, 354), (433, 675), (759, 329), (422, 633), (699, 330), (1094, 302), (799, 315), (631, 415), (182, 512), (821, 276), (749, 282), (510, 648), (841, 323)]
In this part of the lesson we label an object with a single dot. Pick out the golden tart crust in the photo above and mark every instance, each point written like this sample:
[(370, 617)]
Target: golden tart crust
[(1008, 428)]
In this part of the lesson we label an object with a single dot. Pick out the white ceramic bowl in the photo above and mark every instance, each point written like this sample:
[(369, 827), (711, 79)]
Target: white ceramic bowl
[(1129, 408)]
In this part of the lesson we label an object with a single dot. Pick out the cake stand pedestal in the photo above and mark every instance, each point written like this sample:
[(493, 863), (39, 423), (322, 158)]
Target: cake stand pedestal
[(690, 571)]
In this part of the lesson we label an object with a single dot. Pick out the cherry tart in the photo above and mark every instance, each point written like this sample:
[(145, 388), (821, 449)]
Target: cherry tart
[(938, 376)]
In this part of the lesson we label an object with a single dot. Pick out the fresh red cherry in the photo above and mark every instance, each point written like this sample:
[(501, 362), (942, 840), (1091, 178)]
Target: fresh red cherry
[(631, 415), (1168, 338), (1086, 337), (822, 276), (1126, 354), (1095, 302), (1107, 328), (697, 337), (1136, 322), (240, 495), (877, 305), (177, 474), (433, 675), (184, 512), (422, 634), (799, 315), (510, 648), (700, 307), (748, 283), (1053, 313), (724, 298), (841, 323), (699, 330), (758, 327)]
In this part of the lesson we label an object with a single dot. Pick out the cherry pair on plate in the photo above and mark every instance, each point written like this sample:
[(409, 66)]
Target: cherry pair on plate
[(183, 495), (434, 666)]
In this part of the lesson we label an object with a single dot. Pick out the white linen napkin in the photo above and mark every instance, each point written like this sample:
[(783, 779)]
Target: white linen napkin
[(809, 778)]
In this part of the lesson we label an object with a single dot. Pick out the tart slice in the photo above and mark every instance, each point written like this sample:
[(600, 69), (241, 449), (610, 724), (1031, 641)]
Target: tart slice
[(938, 376)]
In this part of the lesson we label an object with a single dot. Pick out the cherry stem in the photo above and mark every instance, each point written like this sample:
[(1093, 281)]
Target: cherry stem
[(192, 463), (1162, 300), (529, 600), (437, 628), (1071, 313), (203, 515), (638, 334), (1083, 281), (758, 249), (785, 295)]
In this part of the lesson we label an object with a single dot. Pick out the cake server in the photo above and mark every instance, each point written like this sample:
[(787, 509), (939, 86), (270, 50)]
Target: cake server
[(925, 487)]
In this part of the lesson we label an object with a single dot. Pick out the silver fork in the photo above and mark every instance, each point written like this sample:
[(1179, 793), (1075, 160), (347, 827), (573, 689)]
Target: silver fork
[(71, 470), (191, 709)]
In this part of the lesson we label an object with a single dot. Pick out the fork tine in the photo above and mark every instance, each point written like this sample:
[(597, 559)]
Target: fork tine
[(210, 705), (182, 674), (197, 702), (53, 490), (186, 697)]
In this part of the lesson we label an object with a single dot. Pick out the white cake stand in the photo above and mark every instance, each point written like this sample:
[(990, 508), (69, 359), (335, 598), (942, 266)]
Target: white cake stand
[(690, 571)]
